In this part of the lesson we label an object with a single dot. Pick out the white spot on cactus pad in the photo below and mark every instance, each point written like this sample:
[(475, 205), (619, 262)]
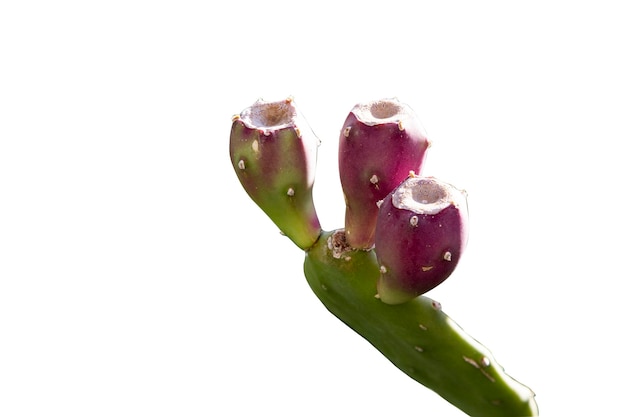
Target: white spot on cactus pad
[(383, 269), (400, 126), (291, 192), (241, 164), (427, 268), (413, 221), (255, 146), (436, 305), (346, 131), (447, 256), (374, 179), (484, 363), (419, 349), (425, 195), (379, 203)]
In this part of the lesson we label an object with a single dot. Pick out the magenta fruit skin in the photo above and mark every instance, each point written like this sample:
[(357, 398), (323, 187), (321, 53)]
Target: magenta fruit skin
[(418, 251), (374, 157)]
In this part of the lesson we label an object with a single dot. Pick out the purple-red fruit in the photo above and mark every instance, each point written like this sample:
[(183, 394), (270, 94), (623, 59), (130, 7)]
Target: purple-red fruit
[(380, 143), (421, 233), (274, 153)]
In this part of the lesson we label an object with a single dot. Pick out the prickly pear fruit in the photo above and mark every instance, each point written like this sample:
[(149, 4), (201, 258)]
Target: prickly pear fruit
[(274, 153), (380, 142), (420, 236)]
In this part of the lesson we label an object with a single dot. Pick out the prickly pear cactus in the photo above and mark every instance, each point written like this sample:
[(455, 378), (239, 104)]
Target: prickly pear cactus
[(404, 235)]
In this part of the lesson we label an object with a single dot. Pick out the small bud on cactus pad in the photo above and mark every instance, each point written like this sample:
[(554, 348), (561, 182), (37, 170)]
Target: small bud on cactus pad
[(421, 233), (274, 153), (380, 143)]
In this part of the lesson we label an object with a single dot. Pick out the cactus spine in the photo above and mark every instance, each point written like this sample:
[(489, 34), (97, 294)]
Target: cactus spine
[(371, 274)]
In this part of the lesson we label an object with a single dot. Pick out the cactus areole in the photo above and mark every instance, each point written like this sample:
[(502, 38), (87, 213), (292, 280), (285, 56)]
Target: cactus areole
[(274, 153), (380, 143), (420, 236)]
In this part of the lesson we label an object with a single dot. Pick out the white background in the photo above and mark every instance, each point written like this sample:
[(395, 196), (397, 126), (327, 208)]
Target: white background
[(138, 279)]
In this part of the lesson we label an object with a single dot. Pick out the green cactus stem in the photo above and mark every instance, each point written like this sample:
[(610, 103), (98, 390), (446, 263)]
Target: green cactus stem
[(274, 153), (421, 233), (417, 336), (380, 143)]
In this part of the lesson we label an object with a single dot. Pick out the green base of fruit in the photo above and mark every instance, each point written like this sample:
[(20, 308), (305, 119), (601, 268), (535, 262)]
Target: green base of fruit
[(417, 336)]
